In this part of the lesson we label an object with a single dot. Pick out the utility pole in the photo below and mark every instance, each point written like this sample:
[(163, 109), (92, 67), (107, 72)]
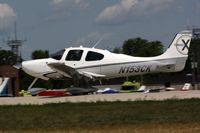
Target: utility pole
[(194, 63)]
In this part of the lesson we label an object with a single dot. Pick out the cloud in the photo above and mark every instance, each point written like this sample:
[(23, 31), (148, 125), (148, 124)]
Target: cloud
[(69, 3), (82, 4), (56, 2), (7, 16), (125, 9), (64, 8)]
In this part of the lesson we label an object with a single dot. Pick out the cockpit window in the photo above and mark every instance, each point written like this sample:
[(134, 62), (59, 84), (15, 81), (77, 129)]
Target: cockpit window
[(74, 55), (93, 56), (58, 55)]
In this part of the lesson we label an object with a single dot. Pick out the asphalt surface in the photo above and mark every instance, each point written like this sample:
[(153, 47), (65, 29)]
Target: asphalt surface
[(101, 97)]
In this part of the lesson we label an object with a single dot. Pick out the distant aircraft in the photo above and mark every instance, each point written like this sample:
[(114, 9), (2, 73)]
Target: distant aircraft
[(84, 64)]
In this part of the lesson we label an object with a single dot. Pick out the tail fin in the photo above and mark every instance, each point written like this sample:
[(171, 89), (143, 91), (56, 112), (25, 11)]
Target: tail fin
[(179, 46), (177, 54)]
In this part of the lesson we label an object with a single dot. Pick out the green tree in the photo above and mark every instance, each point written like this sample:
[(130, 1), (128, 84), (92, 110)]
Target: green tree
[(117, 50), (7, 57), (142, 47), (40, 54)]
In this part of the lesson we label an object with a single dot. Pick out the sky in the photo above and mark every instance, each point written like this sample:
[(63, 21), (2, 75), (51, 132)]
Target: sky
[(56, 24)]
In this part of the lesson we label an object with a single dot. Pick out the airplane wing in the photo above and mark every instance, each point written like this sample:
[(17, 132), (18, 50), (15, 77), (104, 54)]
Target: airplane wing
[(71, 72), (62, 69), (92, 75)]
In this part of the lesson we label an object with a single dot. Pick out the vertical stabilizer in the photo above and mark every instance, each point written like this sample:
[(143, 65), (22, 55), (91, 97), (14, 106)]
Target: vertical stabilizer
[(179, 46), (177, 53)]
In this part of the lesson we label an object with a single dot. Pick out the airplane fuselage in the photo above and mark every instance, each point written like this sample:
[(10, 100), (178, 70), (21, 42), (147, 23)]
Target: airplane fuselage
[(111, 65), (97, 63)]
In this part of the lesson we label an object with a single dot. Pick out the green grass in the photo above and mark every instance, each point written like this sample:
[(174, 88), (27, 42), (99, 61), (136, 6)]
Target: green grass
[(78, 116)]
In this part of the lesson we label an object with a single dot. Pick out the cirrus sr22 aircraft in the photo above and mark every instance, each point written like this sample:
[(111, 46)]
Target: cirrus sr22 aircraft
[(80, 63)]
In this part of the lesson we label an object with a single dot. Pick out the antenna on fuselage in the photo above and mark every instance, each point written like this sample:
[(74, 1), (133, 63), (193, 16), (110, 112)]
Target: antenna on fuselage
[(97, 43)]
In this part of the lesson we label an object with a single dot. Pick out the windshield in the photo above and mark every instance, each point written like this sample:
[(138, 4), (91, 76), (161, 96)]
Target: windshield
[(58, 55)]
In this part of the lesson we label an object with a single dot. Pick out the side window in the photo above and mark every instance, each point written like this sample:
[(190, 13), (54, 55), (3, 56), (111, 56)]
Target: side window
[(58, 55), (74, 55), (93, 56)]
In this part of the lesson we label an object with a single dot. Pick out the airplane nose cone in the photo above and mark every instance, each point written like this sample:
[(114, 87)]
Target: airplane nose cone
[(37, 68), (28, 67)]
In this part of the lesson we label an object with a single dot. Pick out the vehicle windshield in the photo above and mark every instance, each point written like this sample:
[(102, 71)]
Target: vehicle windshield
[(58, 55)]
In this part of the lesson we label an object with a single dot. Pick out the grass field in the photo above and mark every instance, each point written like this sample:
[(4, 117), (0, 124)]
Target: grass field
[(170, 116)]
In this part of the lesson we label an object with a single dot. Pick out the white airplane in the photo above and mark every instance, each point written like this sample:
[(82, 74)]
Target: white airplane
[(95, 64)]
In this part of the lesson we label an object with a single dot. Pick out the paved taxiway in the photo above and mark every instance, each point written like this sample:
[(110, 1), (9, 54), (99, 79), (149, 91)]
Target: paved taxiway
[(101, 97)]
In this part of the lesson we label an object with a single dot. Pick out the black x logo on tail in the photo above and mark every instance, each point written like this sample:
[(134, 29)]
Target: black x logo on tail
[(185, 44)]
